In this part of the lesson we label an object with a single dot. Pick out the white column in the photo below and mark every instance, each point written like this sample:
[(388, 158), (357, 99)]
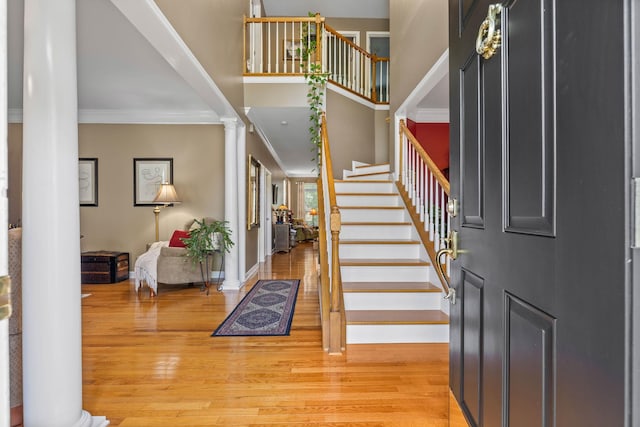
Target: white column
[(52, 323), (231, 281), (242, 202)]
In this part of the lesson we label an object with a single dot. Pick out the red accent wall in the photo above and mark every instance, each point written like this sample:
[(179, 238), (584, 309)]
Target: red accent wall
[(434, 138)]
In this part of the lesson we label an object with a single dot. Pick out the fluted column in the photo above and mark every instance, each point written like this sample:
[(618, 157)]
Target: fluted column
[(231, 281), (52, 323)]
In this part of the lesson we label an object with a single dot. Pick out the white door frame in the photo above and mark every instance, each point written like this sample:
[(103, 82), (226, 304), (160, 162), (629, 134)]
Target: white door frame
[(264, 231), (4, 213)]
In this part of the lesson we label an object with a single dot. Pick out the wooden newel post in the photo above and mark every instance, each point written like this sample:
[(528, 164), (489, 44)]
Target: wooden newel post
[(335, 344)]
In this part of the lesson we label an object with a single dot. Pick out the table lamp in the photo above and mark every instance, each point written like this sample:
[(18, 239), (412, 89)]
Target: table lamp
[(166, 196)]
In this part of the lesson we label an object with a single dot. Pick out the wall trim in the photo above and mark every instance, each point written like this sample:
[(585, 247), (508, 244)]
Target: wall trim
[(205, 117), (430, 115), (253, 270)]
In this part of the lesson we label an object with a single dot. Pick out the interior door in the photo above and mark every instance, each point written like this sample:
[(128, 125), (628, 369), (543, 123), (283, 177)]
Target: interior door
[(538, 167)]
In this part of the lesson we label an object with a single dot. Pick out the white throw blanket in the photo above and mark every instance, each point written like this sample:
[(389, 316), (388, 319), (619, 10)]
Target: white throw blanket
[(146, 268)]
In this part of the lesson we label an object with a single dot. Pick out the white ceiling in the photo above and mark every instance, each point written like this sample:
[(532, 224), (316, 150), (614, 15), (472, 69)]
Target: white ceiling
[(328, 8)]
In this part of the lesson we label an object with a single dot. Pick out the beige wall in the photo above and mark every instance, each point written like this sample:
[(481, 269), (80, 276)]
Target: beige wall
[(351, 128), (115, 224), (419, 36), (198, 175), (213, 32)]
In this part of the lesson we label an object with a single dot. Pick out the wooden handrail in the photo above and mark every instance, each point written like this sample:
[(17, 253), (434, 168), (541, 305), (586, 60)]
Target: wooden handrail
[(351, 44), (281, 19), (327, 150), (437, 173), (325, 284)]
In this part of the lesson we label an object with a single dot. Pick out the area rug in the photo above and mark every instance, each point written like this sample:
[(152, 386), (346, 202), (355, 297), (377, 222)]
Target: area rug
[(267, 310)]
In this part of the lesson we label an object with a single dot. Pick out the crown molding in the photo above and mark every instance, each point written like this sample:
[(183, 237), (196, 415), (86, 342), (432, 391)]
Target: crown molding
[(430, 115), (134, 117)]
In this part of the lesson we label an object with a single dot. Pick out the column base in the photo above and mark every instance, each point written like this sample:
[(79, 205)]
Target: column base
[(87, 420), (231, 285)]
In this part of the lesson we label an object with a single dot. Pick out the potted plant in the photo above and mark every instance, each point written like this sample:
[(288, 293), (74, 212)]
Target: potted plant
[(205, 239)]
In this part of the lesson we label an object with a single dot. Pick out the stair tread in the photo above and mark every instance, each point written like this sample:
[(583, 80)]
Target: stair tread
[(368, 174), (376, 223), (371, 207), (398, 317), (392, 241), (351, 262), (364, 181), (372, 165), (369, 194), (389, 287)]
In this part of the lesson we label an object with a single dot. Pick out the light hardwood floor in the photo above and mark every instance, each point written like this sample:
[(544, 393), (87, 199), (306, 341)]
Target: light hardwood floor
[(151, 362)]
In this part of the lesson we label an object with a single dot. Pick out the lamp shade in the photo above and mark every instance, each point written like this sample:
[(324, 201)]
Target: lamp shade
[(313, 211), (167, 194), (283, 208)]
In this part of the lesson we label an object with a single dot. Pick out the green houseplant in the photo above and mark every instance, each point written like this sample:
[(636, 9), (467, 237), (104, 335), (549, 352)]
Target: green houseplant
[(204, 239), (317, 83)]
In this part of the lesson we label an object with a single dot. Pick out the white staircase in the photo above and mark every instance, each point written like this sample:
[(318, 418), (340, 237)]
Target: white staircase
[(390, 290)]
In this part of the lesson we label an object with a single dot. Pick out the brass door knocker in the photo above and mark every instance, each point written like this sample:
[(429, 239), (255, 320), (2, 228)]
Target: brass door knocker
[(489, 38)]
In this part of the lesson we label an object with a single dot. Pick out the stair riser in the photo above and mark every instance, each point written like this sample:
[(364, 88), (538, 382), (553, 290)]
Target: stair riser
[(370, 169), (372, 215), (367, 200), (392, 301), (371, 334), (385, 274), (375, 251), (373, 177), (375, 232), (365, 187)]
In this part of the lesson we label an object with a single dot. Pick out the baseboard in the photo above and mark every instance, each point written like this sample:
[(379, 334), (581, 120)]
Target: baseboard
[(253, 270)]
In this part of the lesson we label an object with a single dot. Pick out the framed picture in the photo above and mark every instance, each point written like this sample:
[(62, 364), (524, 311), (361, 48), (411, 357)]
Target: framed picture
[(253, 193), (292, 49), (148, 174), (88, 181)]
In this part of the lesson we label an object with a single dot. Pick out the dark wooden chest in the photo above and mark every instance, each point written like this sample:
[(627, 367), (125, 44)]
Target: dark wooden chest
[(104, 266)]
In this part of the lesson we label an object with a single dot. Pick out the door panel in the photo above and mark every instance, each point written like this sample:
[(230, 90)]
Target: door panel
[(529, 116), (529, 364), (538, 165), (471, 305), (472, 144)]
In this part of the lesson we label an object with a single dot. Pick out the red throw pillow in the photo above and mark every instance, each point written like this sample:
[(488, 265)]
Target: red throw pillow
[(176, 239)]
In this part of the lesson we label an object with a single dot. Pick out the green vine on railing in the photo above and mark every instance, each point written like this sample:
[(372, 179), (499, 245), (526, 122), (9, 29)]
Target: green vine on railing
[(317, 83)]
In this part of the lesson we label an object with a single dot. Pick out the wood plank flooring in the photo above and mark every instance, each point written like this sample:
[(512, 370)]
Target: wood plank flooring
[(151, 362)]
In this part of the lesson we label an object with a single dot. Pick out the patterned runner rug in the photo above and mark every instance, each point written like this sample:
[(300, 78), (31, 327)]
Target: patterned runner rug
[(267, 310)]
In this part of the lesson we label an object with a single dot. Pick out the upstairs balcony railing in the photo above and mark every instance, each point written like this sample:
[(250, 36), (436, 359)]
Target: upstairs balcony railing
[(288, 46)]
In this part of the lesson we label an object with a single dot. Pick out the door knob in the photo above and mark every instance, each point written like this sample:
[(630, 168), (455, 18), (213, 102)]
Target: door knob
[(450, 250)]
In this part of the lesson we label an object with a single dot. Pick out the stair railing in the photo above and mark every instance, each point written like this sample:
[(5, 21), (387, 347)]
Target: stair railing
[(332, 304), (287, 46), (355, 69), (426, 192)]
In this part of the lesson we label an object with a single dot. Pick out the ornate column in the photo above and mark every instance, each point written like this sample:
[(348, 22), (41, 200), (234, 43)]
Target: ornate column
[(52, 323), (231, 281)]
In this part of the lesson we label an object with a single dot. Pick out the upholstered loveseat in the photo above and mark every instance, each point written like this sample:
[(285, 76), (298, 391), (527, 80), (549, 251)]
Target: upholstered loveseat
[(173, 265)]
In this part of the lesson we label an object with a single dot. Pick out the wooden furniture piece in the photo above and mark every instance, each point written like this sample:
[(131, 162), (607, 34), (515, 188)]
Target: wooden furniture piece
[(283, 237), (104, 267)]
